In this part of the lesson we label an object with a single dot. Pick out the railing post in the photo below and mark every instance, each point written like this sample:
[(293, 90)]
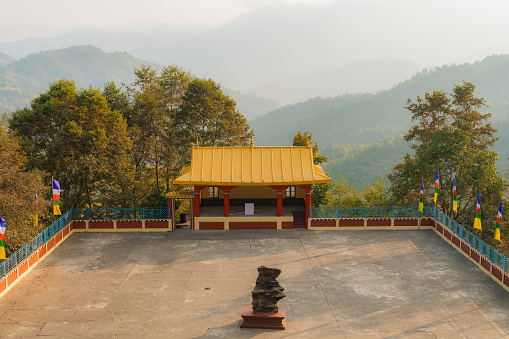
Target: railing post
[(392, 211), (365, 212), (505, 264)]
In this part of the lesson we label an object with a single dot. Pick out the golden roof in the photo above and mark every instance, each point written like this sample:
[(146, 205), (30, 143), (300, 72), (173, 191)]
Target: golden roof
[(252, 166)]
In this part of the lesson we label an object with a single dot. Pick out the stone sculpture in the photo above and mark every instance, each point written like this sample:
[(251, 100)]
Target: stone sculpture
[(267, 291)]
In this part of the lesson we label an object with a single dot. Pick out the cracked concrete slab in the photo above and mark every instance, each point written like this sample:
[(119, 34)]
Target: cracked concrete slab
[(194, 284)]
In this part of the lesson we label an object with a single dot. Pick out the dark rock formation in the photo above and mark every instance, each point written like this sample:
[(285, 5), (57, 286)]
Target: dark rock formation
[(267, 291)]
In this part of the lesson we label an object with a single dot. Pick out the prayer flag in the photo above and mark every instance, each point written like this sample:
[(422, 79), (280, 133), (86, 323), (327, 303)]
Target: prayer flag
[(437, 186), (56, 198), (454, 197), (477, 219), (56, 190), (2, 238), (421, 197), (497, 228)]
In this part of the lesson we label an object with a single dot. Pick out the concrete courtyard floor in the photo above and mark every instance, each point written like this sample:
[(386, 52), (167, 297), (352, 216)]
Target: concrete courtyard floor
[(194, 284)]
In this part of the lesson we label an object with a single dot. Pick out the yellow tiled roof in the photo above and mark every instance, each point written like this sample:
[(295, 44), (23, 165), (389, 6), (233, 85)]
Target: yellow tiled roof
[(252, 166)]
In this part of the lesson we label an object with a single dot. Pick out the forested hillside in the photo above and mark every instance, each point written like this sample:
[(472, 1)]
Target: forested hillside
[(5, 59), (362, 118), (22, 80), (363, 164)]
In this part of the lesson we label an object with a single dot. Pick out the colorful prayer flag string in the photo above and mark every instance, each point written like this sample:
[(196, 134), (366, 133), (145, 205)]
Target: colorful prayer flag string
[(421, 197), (2, 238), (497, 228), (437, 186), (56, 198), (477, 219)]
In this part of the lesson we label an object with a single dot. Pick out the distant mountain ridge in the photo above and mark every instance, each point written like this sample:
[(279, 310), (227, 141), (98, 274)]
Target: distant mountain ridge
[(290, 40), (21, 80), (360, 76), (364, 118)]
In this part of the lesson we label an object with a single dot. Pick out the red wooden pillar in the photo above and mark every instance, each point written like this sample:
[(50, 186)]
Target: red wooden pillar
[(197, 190), (307, 188), (226, 203), (226, 200), (308, 205), (169, 202), (279, 203), (279, 192)]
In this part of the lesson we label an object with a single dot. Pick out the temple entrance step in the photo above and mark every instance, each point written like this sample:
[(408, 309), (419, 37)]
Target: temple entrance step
[(299, 219)]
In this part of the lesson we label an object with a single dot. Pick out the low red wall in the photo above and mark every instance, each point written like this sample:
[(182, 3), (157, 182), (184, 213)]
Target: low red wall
[(486, 264), (156, 223), (212, 225), (465, 248), (23, 267), (427, 222), (440, 229), (127, 224), (497, 273), (351, 223), (323, 222), (11, 278), (378, 222), (253, 225), (79, 225), (287, 225), (406, 222), (475, 256), (456, 241), (100, 224)]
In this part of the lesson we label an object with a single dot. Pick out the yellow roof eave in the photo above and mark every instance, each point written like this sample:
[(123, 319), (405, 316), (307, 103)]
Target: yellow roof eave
[(252, 166)]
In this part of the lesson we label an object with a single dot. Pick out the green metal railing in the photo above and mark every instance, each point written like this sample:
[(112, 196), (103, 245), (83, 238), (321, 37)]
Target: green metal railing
[(121, 213), (475, 242), (370, 212)]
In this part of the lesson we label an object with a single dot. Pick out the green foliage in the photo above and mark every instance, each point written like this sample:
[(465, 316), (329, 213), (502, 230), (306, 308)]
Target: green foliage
[(364, 164), (167, 112), (5, 59), (86, 65), (17, 194), (319, 192), (74, 137), (453, 137), (378, 194), (305, 140), (209, 117), (362, 118), (342, 194)]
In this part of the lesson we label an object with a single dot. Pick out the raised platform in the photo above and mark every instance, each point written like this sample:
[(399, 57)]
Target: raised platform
[(252, 319)]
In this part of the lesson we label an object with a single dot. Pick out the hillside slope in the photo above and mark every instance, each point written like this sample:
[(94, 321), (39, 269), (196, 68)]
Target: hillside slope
[(21, 80), (363, 118)]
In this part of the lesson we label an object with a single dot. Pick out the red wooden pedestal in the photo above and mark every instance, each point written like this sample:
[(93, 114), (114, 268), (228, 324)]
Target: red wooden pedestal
[(258, 320)]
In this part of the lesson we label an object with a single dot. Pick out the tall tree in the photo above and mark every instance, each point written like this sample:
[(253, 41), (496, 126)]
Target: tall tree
[(210, 117), (453, 137), (166, 113), (17, 194), (73, 136), (319, 192)]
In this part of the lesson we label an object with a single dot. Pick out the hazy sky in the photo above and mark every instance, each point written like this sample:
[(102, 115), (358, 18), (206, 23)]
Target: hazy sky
[(23, 18), (243, 43)]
